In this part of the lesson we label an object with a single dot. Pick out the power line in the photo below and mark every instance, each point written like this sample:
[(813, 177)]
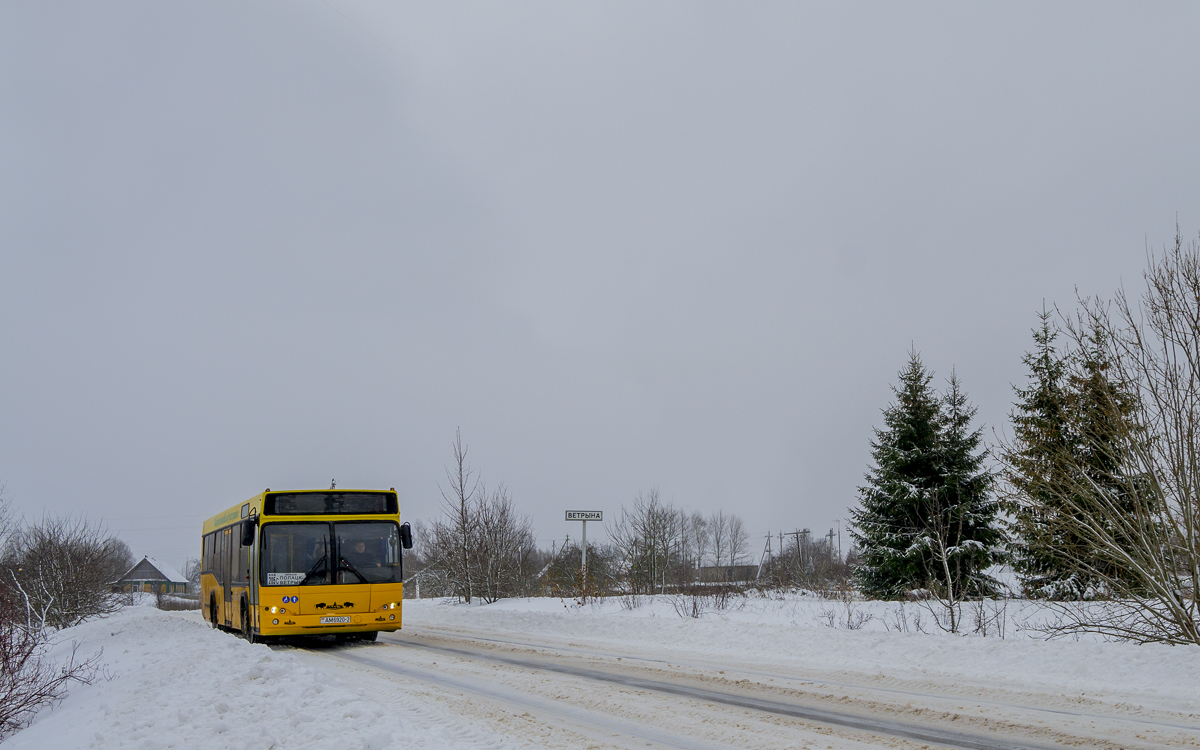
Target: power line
[(155, 517)]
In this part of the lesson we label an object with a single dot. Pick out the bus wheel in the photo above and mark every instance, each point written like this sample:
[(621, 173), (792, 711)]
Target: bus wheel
[(212, 611), (247, 630)]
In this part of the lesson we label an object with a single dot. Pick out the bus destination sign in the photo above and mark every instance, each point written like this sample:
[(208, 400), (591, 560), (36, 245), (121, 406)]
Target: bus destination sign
[(585, 515)]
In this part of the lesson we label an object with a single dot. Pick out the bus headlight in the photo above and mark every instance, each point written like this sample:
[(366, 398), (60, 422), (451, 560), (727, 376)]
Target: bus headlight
[(391, 617), (274, 622), (282, 611)]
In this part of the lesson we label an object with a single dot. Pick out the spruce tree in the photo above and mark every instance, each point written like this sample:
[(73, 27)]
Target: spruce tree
[(966, 532), (1101, 416), (927, 502), (1038, 467), (1070, 443)]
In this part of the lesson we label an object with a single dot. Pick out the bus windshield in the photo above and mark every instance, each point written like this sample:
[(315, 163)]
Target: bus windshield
[(368, 552), (309, 554)]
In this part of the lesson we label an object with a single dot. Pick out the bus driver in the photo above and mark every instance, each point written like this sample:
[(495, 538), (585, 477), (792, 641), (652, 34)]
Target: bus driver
[(358, 556)]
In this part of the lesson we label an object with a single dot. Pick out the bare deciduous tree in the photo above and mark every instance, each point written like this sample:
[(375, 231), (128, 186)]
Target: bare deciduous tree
[(947, 565), (699, 537), (65, 568), (191, 571), (718, 525), (729, 539), (648, 537), (455, 539), (1140, 524), (29, 680), (735, 541), (660, 545), (505, 554), (485, 548)]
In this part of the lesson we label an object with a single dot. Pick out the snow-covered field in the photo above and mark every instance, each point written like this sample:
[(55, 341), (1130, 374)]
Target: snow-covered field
[(170, 681), (796, 629)]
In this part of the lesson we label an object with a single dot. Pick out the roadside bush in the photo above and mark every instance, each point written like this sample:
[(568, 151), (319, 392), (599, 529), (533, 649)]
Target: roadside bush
[(38, 590), (562, 577), (64, 569), (29, 680), (699, 599)]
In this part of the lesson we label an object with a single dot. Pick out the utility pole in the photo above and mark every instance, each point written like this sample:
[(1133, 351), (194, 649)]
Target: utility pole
[(802, 536), (766, 555), (838, 521)]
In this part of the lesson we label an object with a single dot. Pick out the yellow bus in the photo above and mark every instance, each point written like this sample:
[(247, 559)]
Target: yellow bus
[(306, 562)]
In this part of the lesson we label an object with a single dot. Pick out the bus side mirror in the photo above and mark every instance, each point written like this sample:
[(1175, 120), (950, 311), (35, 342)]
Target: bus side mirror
[(405, 535), (248, 532)]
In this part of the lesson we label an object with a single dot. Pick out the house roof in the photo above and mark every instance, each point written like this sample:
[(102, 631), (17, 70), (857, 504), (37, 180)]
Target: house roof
[(164, 569)]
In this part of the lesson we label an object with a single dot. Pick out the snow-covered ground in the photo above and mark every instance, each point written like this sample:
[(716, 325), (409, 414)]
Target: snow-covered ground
[(170, 681), (797, 630)]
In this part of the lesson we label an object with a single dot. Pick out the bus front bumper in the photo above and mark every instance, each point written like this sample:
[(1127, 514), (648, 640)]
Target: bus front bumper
[(292, 624)]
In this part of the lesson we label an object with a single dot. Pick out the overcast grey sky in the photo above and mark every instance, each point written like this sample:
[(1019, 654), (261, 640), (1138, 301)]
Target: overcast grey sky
[(622, 245)]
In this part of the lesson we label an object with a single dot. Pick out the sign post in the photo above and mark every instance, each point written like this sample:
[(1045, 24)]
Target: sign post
[(585, 516)]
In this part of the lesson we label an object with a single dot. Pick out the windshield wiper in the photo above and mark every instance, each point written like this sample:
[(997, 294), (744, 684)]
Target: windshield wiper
[(343, 561), (318, 566)]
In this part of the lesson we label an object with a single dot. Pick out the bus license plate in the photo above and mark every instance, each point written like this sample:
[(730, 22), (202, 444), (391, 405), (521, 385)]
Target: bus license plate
[(334, 620)]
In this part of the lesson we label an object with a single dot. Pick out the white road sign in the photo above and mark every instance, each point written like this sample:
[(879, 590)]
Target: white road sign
[(585, 515)]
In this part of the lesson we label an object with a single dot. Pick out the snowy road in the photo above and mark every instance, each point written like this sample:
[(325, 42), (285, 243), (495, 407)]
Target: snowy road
[(569, 692)]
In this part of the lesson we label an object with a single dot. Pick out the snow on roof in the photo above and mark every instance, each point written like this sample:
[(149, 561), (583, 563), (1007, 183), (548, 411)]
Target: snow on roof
[(166, 569)]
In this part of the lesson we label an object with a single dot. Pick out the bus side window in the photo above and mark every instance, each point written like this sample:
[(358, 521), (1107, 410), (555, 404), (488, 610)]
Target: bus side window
[(206, 562), (226, 556), (222, 559), (241, 569)]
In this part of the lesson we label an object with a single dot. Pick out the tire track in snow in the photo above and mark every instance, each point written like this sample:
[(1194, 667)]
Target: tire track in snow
[(466, 635), (814, 714), (605, 728)]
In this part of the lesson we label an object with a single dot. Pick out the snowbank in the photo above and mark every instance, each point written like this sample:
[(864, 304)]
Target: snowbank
[(170, 681)]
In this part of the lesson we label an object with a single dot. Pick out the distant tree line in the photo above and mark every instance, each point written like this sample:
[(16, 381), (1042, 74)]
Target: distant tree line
[(658, 545), (483, 548)]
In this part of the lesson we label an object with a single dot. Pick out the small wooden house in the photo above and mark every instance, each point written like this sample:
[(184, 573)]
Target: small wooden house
[(153, 577)]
